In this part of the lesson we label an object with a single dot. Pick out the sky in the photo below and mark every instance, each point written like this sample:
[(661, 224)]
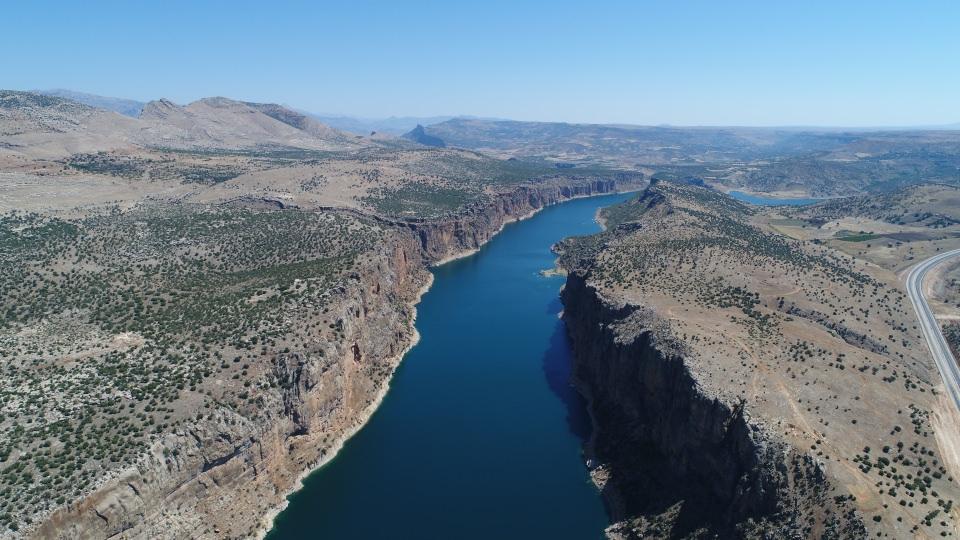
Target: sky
[(810, 63)]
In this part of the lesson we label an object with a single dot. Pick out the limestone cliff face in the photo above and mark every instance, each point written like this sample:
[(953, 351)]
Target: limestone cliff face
[(219, 476), (476, 225), (672, 461), (224, 476)]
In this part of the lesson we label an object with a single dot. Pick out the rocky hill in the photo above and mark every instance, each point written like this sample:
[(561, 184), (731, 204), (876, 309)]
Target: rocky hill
[(419, 136), (224, 123)]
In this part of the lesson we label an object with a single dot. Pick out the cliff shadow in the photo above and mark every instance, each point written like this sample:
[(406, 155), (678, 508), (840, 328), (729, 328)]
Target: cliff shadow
[(554, 307), (557, 366)]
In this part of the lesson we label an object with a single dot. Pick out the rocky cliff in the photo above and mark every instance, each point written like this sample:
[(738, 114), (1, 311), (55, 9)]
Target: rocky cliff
[(226, 474), (470, 229), (674, 461), (218, 476)]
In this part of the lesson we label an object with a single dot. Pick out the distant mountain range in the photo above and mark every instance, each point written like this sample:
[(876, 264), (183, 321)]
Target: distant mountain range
[(629, 145), (822, 162), (126, 107), (419, 135), (395, 125), (399, 125), (46, 126), (819, 162)]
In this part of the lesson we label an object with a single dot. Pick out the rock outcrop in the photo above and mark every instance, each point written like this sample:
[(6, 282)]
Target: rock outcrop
[(219, 476), (420, 136)]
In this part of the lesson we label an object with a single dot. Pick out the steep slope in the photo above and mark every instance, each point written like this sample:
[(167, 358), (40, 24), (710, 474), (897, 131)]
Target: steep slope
[(746, 384), (302, 122)]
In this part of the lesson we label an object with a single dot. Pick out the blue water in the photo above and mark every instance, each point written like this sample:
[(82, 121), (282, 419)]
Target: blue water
[(480, 435), (770, 201)]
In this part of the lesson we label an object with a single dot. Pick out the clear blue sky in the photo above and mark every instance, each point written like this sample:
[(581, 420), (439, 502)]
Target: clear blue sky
[(712, 62)]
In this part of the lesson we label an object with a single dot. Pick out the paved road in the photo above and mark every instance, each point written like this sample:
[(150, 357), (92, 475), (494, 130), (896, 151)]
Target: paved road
[(931, 329)]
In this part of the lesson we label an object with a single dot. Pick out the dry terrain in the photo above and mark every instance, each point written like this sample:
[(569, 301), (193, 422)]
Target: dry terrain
[(201, 303), (821, 163), (797, 323)]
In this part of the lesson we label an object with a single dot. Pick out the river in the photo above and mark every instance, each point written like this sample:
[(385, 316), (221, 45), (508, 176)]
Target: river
[(480, 435)]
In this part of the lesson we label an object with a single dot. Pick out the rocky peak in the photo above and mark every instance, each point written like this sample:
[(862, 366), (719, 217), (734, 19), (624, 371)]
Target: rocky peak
[(419, 135), (221, 102), (160, 108)]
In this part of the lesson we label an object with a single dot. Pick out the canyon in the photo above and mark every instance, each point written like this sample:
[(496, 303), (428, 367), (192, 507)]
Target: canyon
[(203, 303), (226, 472)]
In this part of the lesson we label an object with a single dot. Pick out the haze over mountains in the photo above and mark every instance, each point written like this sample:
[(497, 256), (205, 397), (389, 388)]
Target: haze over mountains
[(126, 107), (815, 162), (398, 125), (394, 125), (36, 124)]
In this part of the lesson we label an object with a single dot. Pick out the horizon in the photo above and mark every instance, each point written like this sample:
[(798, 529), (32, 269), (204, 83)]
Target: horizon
[(347, 116), (749, 65)]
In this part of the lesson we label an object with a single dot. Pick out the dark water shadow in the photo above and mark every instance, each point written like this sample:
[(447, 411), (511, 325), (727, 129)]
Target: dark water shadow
[(557, 364), (554, 307)]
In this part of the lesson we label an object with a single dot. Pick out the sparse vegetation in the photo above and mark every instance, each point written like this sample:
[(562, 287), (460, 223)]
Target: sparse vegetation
[(114, 325)]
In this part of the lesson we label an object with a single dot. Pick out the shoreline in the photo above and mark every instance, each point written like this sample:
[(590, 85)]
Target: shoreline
[(468, 252), (267, 521), (528, 215), (598, 472)]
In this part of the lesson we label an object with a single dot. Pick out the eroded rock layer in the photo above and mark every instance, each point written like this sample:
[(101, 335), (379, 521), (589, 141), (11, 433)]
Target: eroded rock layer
[(672, 460), (225, 472)]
